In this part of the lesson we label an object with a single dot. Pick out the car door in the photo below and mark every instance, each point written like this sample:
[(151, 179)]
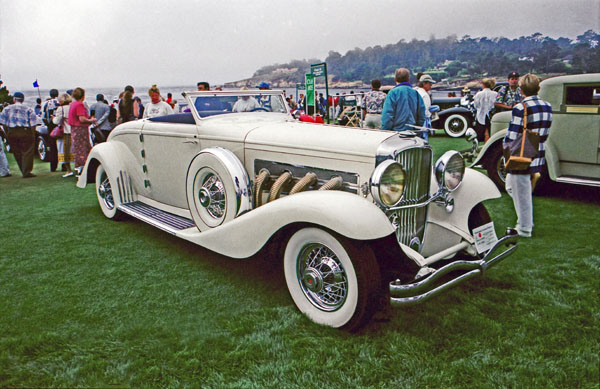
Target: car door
[(168, 149), (575, 130)]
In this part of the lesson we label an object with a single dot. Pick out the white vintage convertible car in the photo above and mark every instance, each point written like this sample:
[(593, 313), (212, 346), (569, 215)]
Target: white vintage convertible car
[(354, 214)]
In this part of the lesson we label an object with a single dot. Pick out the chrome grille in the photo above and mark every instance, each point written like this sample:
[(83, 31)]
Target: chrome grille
[(410, 222)]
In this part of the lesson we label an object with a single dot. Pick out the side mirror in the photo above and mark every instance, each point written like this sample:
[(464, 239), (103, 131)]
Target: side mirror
[(470, 134)]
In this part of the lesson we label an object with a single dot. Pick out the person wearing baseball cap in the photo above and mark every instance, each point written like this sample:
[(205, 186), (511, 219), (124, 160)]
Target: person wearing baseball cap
[(424, 89), (509, 95), (19, 122)]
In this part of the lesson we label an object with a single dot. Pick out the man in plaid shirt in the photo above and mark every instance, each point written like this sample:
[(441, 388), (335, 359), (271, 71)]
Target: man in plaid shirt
[(519, 182), (19, 124)]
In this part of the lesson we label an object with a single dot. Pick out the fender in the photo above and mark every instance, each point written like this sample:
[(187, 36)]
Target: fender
[(552, 162), (453, 110), (475, 188), (115, 156), (494, 139), (345, 213)]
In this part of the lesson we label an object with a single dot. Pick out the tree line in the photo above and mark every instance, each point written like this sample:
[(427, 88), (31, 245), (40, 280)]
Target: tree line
[(452, 58)]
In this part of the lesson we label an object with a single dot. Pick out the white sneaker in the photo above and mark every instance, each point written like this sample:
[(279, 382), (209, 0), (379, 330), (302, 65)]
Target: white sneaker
[(524, 234)]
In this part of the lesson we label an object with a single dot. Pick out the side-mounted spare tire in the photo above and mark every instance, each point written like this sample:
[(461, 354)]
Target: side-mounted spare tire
[(217, 188)]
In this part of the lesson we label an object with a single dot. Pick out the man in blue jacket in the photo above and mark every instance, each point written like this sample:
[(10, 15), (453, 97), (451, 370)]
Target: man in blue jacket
[(403, 105)]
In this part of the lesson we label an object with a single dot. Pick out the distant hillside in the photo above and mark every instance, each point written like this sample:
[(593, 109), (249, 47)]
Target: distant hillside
[(447, 59)]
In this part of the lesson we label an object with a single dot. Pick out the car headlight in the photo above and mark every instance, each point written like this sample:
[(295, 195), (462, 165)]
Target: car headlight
[(387, 183), (450, 170)]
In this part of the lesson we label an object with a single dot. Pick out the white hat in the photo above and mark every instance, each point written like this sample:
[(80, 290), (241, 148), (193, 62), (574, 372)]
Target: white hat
[(426, 78)]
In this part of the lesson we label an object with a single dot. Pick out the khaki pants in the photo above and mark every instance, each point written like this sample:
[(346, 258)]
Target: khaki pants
[(22, 144)]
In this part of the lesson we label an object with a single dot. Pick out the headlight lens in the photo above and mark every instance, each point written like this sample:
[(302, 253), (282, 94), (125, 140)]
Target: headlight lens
[(450, 170), (387, 183)]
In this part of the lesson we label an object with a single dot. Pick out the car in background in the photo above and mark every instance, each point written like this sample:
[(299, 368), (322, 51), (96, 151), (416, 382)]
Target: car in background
[(42, 148), (455, 120), (573, 146), (356, 216)]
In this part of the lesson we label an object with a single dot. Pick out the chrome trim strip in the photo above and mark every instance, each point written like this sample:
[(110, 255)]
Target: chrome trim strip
[(577, 181), (414, 293)]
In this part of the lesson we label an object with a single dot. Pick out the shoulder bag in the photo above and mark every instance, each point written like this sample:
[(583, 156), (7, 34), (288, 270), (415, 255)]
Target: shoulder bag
[(519, 153)]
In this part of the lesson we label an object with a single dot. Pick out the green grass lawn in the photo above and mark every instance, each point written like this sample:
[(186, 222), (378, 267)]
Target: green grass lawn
[(89, 302)]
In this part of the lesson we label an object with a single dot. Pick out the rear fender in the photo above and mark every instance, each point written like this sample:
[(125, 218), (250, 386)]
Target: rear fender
[(115, 157), (348, 214)]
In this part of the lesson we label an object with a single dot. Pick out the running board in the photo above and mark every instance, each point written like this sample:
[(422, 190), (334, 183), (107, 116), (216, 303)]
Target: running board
[(577, 181), (164, 220)]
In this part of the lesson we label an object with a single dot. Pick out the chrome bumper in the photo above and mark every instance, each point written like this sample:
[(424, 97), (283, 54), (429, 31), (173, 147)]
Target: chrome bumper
[(417, 292)]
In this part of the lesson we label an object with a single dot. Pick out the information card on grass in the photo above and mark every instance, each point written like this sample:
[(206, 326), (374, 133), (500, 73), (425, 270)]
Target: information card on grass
[(485, 237)]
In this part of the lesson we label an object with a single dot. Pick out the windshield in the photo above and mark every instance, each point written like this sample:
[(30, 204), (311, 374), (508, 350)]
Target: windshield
[(215, 103)]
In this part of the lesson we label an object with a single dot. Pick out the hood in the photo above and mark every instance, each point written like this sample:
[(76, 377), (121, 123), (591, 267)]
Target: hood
[(317, 139)]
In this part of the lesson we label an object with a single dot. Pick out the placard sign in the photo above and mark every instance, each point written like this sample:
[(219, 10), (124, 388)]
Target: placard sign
[(485, 237)]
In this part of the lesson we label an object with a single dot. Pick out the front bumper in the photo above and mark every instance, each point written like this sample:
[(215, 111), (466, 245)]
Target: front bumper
[(420, 291)]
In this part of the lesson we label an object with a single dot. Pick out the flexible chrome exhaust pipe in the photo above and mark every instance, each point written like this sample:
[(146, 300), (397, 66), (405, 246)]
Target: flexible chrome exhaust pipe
[(333, 184), (278, 185), (308, 180), (261, 180)]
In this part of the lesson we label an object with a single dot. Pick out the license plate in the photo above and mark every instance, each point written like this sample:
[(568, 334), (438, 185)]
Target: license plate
[(485, 237)]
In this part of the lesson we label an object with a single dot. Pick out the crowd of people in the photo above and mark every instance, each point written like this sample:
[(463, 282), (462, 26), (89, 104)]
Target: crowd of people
[(75, 126)]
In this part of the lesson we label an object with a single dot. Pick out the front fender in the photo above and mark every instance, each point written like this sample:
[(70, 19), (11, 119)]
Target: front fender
[(445, 229), (494, 139), (348, 214)]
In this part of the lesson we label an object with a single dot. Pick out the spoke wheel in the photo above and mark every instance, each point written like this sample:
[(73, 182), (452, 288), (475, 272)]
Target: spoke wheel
[(106, 199), (41, 148), (332, 280)]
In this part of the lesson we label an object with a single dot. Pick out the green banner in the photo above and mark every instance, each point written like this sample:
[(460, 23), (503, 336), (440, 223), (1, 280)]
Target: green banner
[(310, 89), (318, 70)]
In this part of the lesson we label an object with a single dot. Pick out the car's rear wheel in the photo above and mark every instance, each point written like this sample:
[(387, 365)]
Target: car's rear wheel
[(42, 148), (104, 191), (456, 125), (333, 280), (495, 166)]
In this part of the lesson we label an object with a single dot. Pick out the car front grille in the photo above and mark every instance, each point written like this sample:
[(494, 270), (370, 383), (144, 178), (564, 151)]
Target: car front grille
[(410, 222)]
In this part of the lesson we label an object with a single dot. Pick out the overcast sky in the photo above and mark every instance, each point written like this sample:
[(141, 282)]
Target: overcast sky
[(110, 43)]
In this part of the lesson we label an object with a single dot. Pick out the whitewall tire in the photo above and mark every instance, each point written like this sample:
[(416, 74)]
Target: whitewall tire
[(332, 280), (106, 193), (456, 125)]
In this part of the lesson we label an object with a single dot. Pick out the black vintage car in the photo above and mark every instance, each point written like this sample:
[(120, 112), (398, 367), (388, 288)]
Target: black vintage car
[(456, 114)]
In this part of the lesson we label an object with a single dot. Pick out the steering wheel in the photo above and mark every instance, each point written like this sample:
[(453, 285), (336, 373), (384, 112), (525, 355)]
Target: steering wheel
[(259, 109)]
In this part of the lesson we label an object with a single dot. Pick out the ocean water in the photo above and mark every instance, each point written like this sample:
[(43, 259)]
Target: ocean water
[(111, 93)]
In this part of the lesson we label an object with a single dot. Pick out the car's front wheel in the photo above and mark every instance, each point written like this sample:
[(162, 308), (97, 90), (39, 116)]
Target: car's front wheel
[(456, 125), (495, 167), (333, 280), (104, 191)]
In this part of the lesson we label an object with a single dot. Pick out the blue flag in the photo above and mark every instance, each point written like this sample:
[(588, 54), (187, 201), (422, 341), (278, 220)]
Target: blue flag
[(35, 84)]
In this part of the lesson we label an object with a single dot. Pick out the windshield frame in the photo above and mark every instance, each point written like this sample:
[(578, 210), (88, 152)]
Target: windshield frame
[(191, 99)]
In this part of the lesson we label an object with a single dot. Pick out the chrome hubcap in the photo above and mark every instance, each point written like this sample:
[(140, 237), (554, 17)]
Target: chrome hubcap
[(212, 196), (105, 192), (322, 277)]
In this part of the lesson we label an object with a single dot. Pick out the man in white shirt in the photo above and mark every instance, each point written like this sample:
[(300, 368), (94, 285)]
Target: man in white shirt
[(157, 107), (245, 104), (425, 84)]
